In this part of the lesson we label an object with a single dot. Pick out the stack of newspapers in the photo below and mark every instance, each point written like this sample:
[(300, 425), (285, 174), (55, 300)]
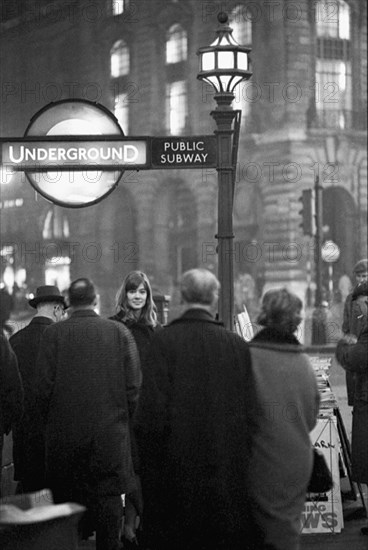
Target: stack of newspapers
[(321, 366)]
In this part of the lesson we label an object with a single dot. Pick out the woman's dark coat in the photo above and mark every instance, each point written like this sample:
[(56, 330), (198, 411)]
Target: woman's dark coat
[(193, 427), (354, 358), (142, 334)]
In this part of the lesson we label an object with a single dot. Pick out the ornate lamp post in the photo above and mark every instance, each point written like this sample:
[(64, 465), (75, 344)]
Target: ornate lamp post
[(224, 64)]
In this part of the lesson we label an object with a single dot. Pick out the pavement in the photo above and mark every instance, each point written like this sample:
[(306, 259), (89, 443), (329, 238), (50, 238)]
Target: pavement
[(349, 538)]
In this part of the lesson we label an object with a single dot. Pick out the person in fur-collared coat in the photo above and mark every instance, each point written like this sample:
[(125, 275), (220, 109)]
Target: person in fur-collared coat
[(287, 402)]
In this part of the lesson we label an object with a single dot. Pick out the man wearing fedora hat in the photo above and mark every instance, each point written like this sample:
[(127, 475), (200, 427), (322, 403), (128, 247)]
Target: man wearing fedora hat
[(28, 434)]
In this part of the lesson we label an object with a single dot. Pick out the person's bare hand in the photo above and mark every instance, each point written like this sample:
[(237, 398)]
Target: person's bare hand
[(349, 339)]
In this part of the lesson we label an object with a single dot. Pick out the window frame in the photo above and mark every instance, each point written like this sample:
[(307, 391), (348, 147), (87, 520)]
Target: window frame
[(179, 51), (182, 112)]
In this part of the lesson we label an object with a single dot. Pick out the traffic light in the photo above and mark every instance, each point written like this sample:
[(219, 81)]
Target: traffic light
[(307, 212)]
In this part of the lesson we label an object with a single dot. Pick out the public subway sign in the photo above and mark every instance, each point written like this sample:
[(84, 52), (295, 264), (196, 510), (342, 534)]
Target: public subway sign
[(68, 153), (184, 152)]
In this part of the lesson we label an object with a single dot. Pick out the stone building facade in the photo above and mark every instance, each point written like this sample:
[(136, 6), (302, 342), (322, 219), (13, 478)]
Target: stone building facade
[(304, 113)]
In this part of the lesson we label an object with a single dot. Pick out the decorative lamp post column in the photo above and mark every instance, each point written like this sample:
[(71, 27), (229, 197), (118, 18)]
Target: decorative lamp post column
[(224, 64)]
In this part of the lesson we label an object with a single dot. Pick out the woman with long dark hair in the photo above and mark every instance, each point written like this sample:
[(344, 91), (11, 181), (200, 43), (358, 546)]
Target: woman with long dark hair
[(136, 309)]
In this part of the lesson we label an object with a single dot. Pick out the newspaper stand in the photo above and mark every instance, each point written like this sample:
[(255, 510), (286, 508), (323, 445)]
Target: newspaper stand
[(323, 512)]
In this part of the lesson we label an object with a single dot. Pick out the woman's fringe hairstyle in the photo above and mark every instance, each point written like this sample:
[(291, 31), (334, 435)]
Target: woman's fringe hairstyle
[(132, 282)]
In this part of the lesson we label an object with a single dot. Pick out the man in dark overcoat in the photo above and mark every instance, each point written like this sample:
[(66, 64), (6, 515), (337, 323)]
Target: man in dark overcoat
[(11, 390), (193, 426), (28, 433), (89, 379), (353, 322)]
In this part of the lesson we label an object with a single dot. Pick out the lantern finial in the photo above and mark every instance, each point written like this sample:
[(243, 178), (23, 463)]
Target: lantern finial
[(222, 17)]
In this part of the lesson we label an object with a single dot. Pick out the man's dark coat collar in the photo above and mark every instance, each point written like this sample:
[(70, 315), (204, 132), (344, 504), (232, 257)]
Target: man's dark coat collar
[(274, 338), (84, 313), (196, 314), (41, 320)]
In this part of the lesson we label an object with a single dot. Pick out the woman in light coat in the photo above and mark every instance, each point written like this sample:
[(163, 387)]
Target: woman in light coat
[(288, 402)]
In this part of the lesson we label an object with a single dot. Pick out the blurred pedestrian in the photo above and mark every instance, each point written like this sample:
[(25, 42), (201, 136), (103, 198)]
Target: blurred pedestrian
[(28, 433), (136, 310), (353, 357), (89, 379), (11, 390), (352, 321), (287, 404), (6, 307), (193, 428)]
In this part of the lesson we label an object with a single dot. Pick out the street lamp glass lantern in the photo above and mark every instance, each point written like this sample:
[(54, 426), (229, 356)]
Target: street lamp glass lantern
[(208, 61), (224, 64)]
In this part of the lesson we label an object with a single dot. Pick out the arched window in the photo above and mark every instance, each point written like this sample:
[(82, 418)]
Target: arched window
[(176, 44), (176, 107), (120, 68), (241, 23), (120, 62), (333, 94)]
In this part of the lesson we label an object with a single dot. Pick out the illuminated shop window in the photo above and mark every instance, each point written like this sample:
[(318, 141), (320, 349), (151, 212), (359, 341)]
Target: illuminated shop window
[(56, 225), (176, 44), (120, 62), (176, 107), (57, 271)]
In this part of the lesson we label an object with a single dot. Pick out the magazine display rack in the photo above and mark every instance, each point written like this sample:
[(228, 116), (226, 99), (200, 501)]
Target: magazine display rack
[(323, 512)]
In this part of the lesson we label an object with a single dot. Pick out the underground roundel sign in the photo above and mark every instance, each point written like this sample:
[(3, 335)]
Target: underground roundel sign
[(70, 172)]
